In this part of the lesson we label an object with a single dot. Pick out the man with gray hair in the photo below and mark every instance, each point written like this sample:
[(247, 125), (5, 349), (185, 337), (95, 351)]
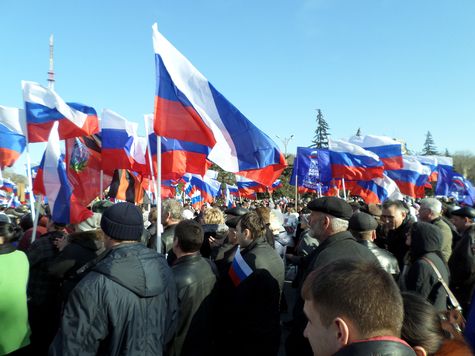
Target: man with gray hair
[(329, 225), (430, 211), (172, 214)]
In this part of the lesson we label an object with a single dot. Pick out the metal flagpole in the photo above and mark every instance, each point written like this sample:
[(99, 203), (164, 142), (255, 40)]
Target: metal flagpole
[(150, 161), (296, 182), (159, 195), (344, 188), (101, 185)]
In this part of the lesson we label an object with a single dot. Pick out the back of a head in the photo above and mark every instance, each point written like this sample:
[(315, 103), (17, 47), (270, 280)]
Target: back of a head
[(213, 216), (253, 222), (360, 291), (123, 222), (434, 205), (264, 213), (421, 326), (425, 238), (172, 207), (7, 232), (189, 235)]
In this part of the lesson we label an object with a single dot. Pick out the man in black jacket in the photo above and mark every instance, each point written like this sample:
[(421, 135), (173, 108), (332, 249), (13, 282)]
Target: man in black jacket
[(462, 261), (127, 303), (353, 308), (328, 224), (195, 279), (363, 226)]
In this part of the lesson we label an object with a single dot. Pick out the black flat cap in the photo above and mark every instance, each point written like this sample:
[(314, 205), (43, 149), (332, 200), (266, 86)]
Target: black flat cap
[(232, 221), (237, 211), (332, 206), (465, 212), (362, 222)]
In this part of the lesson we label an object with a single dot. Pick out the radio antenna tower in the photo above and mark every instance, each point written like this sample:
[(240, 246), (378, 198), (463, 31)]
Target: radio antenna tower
[(51, 63)]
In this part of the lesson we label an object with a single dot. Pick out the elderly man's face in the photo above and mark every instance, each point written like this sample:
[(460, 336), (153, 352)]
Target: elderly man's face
[(316, 222), (322, 339), (392, 217)]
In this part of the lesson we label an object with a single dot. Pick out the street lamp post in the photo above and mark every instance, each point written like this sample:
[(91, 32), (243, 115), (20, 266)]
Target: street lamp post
[(285, 141)]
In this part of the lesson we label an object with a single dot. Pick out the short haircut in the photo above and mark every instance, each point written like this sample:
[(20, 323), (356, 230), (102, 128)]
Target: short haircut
[(172, 207), (152, 216), (213, 216), (189, 235), (396, 203), (253, 222), (360, 291), (264, 213), (434, 205), (338, 224), (421, 325), (362, 235)]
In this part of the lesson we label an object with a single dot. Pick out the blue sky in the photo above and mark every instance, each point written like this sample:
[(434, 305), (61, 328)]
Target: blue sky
[(389, 67)]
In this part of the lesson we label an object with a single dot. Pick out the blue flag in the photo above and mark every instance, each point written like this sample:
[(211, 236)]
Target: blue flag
[(311, 167)]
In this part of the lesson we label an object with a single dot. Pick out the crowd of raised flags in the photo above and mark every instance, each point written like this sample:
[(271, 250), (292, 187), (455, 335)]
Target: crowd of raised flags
[(192, 127)]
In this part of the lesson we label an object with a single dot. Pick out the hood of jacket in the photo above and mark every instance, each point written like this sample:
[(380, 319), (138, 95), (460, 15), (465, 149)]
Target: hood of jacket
[(90, 240), (425, 238), (136, 268)]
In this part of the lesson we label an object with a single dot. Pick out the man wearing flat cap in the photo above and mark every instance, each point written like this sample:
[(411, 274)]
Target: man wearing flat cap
[(363, 227), (127, 301), (462, 260), (328, 222)]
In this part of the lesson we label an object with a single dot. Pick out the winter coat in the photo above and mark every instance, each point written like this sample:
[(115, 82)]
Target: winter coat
[(249, 312), (125, 305), (195, 279), (386, 259), (462, 267), (396, 241), (377, 346), (426, 241), (446, 233), (14, 328)]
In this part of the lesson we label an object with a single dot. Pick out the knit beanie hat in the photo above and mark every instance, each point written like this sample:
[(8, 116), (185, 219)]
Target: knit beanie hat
[(122, 221)]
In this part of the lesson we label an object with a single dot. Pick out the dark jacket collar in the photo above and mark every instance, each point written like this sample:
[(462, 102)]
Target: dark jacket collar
[(6, 248), (339, 236), (382, 345)]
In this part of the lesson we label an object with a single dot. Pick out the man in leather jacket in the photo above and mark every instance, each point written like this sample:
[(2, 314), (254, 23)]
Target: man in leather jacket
[(363, 227), (397, 221), (195, 279), (353, 308), (462, 261)]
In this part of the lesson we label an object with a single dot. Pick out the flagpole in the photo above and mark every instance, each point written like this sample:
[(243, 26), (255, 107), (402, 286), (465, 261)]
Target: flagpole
[(296, 183), (149, 154), (101, 185), (344, 188), (159, 194)]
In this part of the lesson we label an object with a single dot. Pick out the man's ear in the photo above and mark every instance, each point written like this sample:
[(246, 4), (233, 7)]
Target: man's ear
[(373, 235), (419, 350), (342, 330), (247, 234)]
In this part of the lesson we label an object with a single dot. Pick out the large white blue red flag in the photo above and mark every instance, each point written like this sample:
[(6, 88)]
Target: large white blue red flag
[(388, 150), (12, 135), (353, 162), (412, 178), (248, 187), (189, 108), (44, 106), (52, 179)]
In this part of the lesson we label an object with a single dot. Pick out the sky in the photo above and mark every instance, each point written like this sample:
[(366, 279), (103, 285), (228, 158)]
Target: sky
[(389, 67)]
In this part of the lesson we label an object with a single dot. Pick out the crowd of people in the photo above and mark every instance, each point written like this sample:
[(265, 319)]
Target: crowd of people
[(367, 279)]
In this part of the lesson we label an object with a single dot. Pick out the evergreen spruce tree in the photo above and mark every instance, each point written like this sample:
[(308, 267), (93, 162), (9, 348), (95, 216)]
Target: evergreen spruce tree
[(320, 140), (429, 148), (358, 133), (447, 154)]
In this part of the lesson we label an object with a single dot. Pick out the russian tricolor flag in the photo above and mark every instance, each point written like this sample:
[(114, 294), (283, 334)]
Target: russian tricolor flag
[(44, 107), (353, 162), (8, 186), (248, 187), (12, 135), (388, 150), (178, 157), (121, 147), (52, 179), (189, 108), (209, 188), (239, 269), (412, 178), (376, 190)]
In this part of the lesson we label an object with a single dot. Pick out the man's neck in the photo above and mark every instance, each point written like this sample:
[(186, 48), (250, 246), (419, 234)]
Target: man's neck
[(180, 254)]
